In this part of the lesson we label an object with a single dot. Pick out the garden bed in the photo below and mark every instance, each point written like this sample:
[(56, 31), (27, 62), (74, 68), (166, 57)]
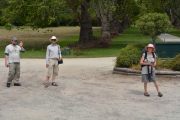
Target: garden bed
[(129, 71)]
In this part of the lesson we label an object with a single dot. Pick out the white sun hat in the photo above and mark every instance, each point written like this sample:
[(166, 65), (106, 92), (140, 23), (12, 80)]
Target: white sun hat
[(53, 38), (150, 46)]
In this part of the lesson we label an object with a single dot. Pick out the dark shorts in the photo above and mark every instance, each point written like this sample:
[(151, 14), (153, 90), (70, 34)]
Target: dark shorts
[(146, 78)]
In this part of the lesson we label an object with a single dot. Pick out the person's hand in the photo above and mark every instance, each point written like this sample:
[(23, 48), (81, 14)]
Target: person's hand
[(21, 43), (47, 65), (7, 65), (146, 63), (153, 65)]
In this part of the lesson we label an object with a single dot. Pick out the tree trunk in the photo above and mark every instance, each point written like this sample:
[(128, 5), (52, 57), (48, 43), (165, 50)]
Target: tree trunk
[(105, 36), (118, 27), (115, 26), (86, 33), (175, 21)]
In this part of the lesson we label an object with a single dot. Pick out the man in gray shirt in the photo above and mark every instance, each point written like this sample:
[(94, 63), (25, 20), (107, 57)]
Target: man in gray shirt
[(12, 61)]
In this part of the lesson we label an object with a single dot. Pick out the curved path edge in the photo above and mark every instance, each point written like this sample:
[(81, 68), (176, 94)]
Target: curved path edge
[(128, 71)]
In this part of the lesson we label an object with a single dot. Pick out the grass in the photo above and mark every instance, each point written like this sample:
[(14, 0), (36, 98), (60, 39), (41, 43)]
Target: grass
[(174, 31), (36, 41)]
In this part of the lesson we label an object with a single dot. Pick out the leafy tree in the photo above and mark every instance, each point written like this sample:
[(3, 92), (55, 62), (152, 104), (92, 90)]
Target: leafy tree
[(38, 14), (172, 8), (3, 5), (125, 13), (149, 6), (153, 24)]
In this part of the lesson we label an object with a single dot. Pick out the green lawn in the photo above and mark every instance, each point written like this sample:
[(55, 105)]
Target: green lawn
[(174, 31), (68, 35)]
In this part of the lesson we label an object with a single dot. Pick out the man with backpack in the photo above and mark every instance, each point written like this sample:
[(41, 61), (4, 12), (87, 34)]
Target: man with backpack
[(148, 64)]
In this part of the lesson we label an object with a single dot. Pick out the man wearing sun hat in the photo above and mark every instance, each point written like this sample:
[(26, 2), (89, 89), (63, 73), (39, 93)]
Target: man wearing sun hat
[(53, 54), (12, 61)]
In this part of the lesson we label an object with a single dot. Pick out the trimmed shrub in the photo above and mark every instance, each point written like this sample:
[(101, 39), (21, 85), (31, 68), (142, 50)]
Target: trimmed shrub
[(128, 56), (164, 64), (176, 63)]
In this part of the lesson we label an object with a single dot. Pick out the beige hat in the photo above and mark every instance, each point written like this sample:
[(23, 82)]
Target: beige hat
[(53, 38), (150, 46)]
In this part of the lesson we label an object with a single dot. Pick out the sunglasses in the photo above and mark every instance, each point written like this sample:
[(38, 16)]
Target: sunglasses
[(14, 41), (53, 39)]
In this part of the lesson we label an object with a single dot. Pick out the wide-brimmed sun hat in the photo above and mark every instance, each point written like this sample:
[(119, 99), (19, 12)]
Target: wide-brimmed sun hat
[(53, 38), (150, 46)]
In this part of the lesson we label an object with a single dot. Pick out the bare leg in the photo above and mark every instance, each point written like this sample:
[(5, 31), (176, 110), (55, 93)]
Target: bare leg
[(47, 78), (55, 74), (46, 83), (145, 90), (53, 78), (53, 81), (145, 87), (156, 86)]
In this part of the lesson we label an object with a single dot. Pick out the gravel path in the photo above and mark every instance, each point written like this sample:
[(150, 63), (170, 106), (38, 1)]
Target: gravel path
[(87, 91)]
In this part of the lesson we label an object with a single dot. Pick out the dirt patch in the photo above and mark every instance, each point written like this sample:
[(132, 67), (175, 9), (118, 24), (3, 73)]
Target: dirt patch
[(88, 91)]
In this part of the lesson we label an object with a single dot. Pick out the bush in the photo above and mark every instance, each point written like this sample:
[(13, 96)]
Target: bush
[(176, 63), (164, 64), (128, 56), (153, 24)]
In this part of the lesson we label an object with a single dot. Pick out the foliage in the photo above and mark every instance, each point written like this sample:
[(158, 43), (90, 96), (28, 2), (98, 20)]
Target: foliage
[(164, 64), (128, 56), (149, 6), (176, 63), (37, 13), (126, 8), (173, 64), (173, 10), (8, 26), (153, 24)]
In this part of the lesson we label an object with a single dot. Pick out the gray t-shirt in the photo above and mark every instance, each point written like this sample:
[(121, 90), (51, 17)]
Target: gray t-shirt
[(13, 52), (150, 59)]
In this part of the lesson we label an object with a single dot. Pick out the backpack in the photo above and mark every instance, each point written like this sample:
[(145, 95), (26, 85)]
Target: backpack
[(145, 57)]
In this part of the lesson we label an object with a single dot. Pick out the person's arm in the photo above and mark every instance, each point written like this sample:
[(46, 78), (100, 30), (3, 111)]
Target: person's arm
[(47, 57), (155, 61), (21, 46), (6, 57), (142, 62), (59, 52)]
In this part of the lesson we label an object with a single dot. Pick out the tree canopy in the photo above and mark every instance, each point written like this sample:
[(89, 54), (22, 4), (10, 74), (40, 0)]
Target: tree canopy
[(153, 24), (113, 15)]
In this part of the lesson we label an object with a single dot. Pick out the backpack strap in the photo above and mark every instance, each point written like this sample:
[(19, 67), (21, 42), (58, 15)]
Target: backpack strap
[(59, 51), (145, 55), (153, 54)]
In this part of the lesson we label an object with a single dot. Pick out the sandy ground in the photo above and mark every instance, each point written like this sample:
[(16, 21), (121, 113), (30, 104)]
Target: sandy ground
[(87, 91)]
